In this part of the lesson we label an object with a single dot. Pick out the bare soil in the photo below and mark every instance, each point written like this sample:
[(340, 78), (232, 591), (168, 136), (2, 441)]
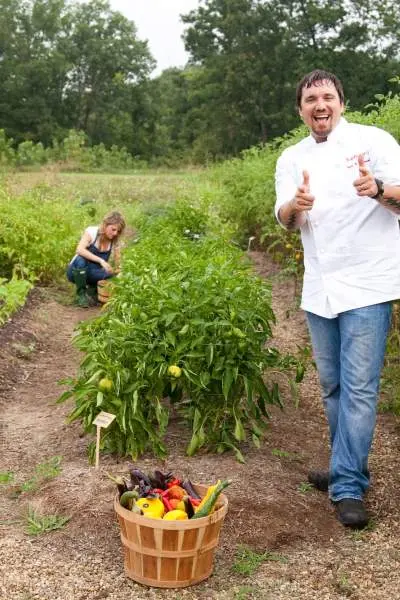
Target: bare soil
[(269, 507)]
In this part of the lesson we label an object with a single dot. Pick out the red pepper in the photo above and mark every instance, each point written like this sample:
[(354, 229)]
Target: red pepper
[(173, 482), (166, 503), (194, 501), (158, 491)]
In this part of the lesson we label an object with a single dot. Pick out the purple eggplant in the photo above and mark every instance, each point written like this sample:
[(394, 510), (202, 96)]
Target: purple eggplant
[(137, 476), (188, 487)]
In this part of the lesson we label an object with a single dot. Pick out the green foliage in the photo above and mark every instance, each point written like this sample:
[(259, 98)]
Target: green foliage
[(7, 155), (69, 64), (13, 295), (292, 456), (390, 384), (247, 560), (40, 228), (37, 524), (305, 487), (80, 65), (6, 477), (245, 592), (29, 154), (43, 472), (190, 302), (36, 237)]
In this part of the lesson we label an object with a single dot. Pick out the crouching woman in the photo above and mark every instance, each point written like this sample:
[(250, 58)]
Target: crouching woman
[(97, 257)]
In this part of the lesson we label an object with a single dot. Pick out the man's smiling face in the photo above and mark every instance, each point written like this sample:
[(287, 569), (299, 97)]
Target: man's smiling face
[(321, 109)]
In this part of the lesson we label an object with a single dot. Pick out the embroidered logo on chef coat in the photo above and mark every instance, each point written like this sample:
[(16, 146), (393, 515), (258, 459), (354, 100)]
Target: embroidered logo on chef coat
[(352, 161)]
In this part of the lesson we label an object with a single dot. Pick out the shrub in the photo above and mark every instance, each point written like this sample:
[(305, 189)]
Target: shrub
[(193, 305)]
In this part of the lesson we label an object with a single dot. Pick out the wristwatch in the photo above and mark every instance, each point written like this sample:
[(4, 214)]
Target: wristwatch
[(380, 186)]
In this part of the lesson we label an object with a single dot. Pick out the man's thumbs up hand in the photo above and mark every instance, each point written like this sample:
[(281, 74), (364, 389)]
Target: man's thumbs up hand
[(365, 185), (306, 181), (303, 200), (362, 166)]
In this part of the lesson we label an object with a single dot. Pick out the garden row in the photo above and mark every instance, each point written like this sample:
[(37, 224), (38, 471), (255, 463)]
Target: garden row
[(187, 331)]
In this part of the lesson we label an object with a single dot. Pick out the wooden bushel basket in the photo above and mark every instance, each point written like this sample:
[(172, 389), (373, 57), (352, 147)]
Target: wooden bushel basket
[(103, 290), (170, 554)]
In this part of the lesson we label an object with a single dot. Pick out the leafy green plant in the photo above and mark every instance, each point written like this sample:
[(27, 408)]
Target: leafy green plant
[(343, 584), (286, 455), (305, 487), (359, 535), (390, 384), (190, 322), (13, 295), (6, 477), (247, 560), (43, 472), (37, 524), (245, 592)]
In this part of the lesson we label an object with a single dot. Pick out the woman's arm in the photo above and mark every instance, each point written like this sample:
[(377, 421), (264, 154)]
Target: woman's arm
[(82, 250), (117, 257)]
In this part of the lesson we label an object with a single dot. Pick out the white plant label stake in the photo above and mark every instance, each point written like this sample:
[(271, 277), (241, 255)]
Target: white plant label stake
[(103, 419)]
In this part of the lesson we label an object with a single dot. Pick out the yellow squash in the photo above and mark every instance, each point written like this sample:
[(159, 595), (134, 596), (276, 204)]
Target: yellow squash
[(152, 508)]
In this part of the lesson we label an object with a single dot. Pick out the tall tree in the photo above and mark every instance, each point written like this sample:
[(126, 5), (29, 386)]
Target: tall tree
[(32, 70), (107, 59), (66, 64)]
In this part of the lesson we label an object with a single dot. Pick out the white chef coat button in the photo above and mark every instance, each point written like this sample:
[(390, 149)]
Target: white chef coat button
[(315, 223), (322, 250)]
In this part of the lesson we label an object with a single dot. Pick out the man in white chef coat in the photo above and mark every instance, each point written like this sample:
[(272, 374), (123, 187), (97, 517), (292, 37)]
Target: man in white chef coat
[(340, 187)]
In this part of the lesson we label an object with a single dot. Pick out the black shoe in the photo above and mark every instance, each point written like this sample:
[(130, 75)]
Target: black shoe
[(351, 513), (319, 479)]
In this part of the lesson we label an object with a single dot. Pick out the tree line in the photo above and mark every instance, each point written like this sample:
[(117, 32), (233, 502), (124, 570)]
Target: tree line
[(72, 65)]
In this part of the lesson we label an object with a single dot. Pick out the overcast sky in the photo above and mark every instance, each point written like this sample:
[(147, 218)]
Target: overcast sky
[(158, 22)]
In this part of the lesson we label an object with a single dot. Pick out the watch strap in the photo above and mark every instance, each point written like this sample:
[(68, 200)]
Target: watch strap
[(380, 186)]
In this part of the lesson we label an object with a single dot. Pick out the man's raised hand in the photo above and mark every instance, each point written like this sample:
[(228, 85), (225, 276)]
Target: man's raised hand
[(303, 199), (365, 184)]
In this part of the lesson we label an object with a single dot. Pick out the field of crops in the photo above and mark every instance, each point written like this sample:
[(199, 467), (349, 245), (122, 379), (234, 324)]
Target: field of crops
[(200, 349)]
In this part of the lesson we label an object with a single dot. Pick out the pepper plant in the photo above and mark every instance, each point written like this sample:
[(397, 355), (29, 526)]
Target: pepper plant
[(188, 322)]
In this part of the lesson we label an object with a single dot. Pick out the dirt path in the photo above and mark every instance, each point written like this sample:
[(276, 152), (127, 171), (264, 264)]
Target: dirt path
[(269, 508)]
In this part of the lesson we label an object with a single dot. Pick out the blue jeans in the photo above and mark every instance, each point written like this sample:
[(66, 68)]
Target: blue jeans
[(349, 351), (93, 270)]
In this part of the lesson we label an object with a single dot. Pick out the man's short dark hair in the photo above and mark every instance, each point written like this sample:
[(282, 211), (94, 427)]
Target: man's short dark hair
[(317, 77)]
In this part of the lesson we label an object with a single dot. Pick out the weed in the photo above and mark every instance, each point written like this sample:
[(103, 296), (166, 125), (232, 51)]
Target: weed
[(343, 585), (245, 592), (247, 561), (287, 455), (358, 535), (24, 350), (6, 477), (43, 472), (37, 524), (305, 487)]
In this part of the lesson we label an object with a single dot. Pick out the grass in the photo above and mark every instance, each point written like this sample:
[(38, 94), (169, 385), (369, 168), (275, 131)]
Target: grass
[(286, 455), (358, 535), (37, 524), (246, 592), (344, 585), (6, 477), (43, 472), (247, 560)]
